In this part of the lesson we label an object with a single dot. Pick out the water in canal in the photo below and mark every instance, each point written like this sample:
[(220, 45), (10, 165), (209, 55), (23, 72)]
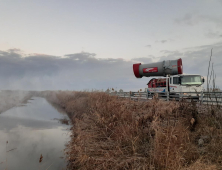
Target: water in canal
[(31, 130)]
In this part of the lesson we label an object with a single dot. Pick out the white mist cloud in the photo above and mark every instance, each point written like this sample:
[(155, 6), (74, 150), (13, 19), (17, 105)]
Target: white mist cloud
[(83, 71)]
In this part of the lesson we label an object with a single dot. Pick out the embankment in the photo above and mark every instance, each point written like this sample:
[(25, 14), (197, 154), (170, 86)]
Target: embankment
[(112, 133)]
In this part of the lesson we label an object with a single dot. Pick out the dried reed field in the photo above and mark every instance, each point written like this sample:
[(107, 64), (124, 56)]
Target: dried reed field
[(113, 133)]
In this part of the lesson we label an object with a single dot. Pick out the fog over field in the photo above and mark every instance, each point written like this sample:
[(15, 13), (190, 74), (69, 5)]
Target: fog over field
[(84, 71)]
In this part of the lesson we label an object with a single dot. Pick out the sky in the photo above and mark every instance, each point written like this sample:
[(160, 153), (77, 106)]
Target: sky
[(92, 44)]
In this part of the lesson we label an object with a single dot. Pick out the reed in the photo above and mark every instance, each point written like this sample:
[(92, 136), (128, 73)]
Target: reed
[(113, 133)]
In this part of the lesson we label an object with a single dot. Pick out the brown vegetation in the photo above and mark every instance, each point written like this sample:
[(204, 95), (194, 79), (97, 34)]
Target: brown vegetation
[(113, 133)]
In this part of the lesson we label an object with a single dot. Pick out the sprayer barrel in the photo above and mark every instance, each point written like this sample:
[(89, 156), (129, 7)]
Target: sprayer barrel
[(163, 68)]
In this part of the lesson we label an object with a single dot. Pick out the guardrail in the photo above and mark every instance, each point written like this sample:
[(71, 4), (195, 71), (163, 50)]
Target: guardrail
[(202, 97)]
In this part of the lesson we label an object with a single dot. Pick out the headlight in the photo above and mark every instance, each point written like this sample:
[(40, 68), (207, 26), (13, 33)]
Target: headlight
[(184, 93)]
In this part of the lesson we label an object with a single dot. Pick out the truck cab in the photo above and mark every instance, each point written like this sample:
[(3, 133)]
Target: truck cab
[(177, 85), (185, 83)]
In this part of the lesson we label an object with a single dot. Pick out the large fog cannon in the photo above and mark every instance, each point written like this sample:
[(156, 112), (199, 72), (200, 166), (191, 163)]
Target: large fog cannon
[(163, 68)]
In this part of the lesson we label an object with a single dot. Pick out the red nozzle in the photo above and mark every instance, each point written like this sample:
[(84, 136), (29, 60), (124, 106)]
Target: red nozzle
[(180, 66), (136, 70)]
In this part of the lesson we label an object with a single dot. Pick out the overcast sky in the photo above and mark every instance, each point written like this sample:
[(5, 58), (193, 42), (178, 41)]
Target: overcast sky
[(92, 44)]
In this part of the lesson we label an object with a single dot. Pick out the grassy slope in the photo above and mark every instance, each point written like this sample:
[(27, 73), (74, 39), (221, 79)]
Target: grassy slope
[(112, 133)]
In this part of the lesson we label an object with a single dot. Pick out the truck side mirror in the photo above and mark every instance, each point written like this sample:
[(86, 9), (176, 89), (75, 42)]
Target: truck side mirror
[(203, 80)]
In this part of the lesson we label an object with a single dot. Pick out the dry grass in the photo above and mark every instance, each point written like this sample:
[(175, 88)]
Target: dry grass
[(112, 133)]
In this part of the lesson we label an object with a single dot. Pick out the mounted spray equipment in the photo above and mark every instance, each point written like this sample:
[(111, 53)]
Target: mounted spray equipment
[(163, 68)]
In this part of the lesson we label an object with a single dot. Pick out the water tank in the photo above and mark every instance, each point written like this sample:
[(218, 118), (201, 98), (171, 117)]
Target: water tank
[(163, 68)]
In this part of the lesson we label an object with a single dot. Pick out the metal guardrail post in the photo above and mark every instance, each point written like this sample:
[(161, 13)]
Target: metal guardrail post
[(130, 95), (201, 98), (167, 93), (181, 96), (167, 87)]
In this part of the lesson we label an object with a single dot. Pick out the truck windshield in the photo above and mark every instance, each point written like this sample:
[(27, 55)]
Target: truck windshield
[(191, 80)]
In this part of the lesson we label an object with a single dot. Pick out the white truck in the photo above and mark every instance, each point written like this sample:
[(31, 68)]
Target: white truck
[(174, 80), (179, 85)]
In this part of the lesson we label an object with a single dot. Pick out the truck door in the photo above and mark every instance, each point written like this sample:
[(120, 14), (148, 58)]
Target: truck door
[(174, 84)]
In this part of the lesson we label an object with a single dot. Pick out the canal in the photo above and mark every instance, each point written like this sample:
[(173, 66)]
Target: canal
[(29, 131)]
